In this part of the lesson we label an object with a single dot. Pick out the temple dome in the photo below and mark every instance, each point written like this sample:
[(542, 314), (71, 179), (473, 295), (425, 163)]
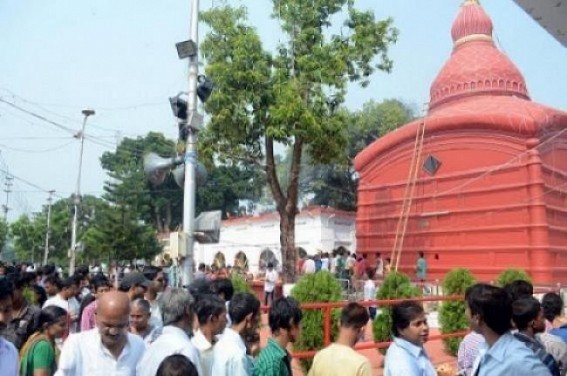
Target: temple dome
[(476, 66)]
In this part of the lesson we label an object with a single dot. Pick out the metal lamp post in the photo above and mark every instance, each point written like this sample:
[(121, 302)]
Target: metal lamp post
[(191, 151), (76, 199)]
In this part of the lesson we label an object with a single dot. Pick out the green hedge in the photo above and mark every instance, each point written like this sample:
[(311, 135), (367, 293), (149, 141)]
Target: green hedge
[(318, 287), (396, 286), (452, 314), (511, 275)]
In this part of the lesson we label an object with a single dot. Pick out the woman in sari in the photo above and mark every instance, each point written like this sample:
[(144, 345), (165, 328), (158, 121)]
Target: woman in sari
[(38, 356)]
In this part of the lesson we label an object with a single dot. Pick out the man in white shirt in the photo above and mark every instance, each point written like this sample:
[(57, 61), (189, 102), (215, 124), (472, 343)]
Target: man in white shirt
[(325, 262), (9, 360), (176, 307), (309, 265), (229, 355), (270, 283), (370, 292), (106, 350), (211, 313), (65, 299), (379, 265), (349, 265)]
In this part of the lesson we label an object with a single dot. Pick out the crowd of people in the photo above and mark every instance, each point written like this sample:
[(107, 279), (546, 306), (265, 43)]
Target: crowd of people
[(87, 324)]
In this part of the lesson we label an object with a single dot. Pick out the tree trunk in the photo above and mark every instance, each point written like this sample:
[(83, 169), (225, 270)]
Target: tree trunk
[(286, 205), (167, 224), (287, 242), (158, 220)]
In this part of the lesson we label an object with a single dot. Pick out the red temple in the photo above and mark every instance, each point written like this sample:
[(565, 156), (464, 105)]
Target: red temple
[(491, 185)]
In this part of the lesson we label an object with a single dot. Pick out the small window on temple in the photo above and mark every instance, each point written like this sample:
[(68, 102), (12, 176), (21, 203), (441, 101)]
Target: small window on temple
[(431, 165)]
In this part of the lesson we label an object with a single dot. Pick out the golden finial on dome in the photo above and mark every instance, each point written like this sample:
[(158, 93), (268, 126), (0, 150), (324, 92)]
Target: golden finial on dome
[(471, 2)]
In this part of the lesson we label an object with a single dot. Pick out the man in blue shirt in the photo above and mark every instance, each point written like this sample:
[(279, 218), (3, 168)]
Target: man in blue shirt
[(552, 305), (406, 355), (489, 310)]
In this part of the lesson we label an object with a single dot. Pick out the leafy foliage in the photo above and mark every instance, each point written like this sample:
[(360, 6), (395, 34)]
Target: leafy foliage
[(396, 286), (333, 184), (226, 184), (290, 96), (511, 275), (28, 232), (118, 235), (452, 314), (160, 205), (317, 287), (240, 285)]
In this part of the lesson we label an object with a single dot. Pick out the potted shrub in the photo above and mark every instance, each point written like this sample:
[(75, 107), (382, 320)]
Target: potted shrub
[(240, 285), (396, 286), (511, 275), (318, 287), (452, 313)]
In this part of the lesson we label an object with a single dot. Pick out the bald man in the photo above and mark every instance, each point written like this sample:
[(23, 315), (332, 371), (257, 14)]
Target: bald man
[(107, 349)]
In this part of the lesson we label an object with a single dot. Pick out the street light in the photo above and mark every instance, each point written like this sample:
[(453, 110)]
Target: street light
[(76, 199)]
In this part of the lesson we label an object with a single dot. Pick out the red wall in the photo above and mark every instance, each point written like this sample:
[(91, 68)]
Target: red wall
[(485, 208)]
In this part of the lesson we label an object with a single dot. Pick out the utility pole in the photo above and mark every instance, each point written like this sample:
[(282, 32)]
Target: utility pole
[(8, 183), (77, 196), (191, 152), (46, 250)]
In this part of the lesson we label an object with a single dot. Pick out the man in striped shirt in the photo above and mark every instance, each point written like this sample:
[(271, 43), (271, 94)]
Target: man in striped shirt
[(468, 351), (528, 319), (285, 323)]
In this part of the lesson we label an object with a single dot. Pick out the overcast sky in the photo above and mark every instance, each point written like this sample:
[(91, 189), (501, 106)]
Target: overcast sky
[(119, 57)]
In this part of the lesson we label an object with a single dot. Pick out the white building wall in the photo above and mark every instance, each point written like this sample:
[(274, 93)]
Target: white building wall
[(316, 230)]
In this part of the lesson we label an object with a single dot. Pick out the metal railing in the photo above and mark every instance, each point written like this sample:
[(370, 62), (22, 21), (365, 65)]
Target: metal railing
[(327, 309)]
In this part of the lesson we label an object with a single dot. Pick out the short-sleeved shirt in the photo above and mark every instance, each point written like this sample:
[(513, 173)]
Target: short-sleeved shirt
[(339, 360), (405, 358), (271, 279), (508, 356), (84, 354), (40, 356)]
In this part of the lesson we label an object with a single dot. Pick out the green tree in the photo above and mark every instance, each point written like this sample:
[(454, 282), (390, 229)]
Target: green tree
[(226, 184), (118, 234), (288, 97), (28, 232), (452, 313), (27, 236), (160, 205), (334, 184)]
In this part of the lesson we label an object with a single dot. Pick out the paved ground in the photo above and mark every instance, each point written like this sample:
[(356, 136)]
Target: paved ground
[(434, 348)]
